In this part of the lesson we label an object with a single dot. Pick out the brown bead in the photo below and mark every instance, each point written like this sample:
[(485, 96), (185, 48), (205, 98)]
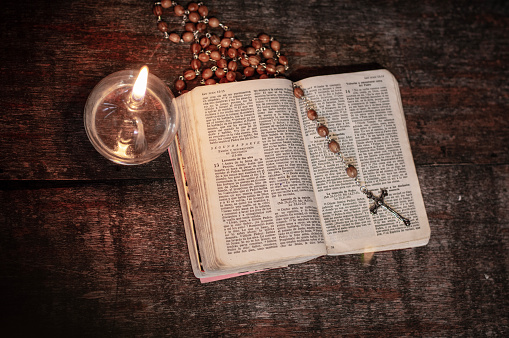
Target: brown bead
[(179, 10), (174, 37), (203, 10), (254, 60), (195, 64), (236, 44), (190, 27), (226, 42), (250, 51), (223, 80), (228, 34), (189, 75), (264, 38), (220, 72), (232, 53), (214, 39), (334, 146), (157, 10), (312, 114), (194, 17), (204, 42), (214, 22), (222, 50), (271, 61), (162, 26), (179, 85), (283, 60), (268, 54), (232, 65), (230, 76), (275, 45), (244, 62), (260, 69), (211, 48), (203, 57), (264, 76), (351, 171), (322, 130), (210, 81), (249, 71), (192, 7), (280, 69), (271, 69), (215, 55), (222, 63), (166, 3), (257, 44), (188, 36), (207, 73), (298, 92), (195, 48), (201, 27)]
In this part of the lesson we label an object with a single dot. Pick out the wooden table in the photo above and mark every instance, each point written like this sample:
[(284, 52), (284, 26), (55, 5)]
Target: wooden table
[(91, 248)]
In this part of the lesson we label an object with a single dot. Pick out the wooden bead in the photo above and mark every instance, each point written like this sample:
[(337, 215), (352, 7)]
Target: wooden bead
[(162, 26), (298, 92), (179, 85), (179, 10), (271, 69), (264, 38), (280, 69), (351, 171), (215, 55), (228, 34), (195, 64), (283, 60), (220, 73), (166, 3), (214, 22), (264, 76), (322, 130), (254, 60), (257, 44), (260, 69), (244, 62), (223, 80), (189, 75), (222, 63), (232, 53), (275, 45), (188, 36), (250, 51), (195, 48), (210, 81), (204, 57), (230, 76), (201, 27), (312, 114), (225, 42), (194, 17), (190, 27), (268, 54), (204, 42), (203, 10), (236, 44), (157, 10), (174, 37), (214, 39), (192, 7), (334, 146), (249, 71), (207, 73), (232, 65)]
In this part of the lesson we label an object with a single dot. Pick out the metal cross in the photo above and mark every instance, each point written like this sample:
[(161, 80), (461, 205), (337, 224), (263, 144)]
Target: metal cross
[(378, 201)]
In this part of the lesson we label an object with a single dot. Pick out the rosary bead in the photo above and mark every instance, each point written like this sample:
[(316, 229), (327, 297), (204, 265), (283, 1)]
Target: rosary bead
[(204, 42), (249, 71), (195, 64), (223, 80), (283, 60), (207, 73), (210, 81), (179, 10), (225, 42), (257, 44), (244, 62), (188, 36), (281, 69), (174, 37), (264, 38), (264, 76), (232, 53), (189, 75), (214, 22), (157, 10), (312, 114), (250, 51), (271, 69), (221, 63), (166, 3), (322, 130), (351, 171), (194, 17), (228, 34), (201, 27), (271, 61), (163, 26), (334, 146), (195, 48), (192, 7), (190, 27), (220, 72), (179, 85), (236, 44), (203, 10), (203, 57), (254, 60), (232, 65), (215, 55), (268, 54), (275, 45), (298, 92), (260, 69), (230, 76), (215, 40)]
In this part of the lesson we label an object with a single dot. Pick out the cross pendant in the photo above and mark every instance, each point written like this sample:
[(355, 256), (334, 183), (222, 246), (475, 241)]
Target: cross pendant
[(378, 201)]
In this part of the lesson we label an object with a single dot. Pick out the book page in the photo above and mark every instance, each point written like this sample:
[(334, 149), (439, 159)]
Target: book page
[(248, 164), (363, 113)]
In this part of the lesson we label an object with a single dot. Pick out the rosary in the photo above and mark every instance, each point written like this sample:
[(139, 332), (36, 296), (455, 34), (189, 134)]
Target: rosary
[(222, 58)]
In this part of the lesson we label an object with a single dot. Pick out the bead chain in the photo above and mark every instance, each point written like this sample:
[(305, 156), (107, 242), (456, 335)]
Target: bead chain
[(218, 59), (334, 147)]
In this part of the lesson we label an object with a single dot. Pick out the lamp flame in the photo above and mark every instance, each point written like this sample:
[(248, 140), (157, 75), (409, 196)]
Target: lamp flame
[(140, 86)]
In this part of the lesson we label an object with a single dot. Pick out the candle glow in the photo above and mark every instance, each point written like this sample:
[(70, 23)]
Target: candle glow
[(140, 86)]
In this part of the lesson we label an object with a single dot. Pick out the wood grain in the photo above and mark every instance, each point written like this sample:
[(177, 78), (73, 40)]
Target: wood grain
[(90, 248)]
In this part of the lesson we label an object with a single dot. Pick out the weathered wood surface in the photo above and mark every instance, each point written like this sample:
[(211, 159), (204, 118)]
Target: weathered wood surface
[(90, 248)]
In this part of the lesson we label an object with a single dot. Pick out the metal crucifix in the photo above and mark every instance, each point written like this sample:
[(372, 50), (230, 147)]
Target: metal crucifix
[(378, 201)]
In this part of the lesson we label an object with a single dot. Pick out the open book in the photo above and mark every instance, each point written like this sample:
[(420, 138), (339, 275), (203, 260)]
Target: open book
[(259, 188)]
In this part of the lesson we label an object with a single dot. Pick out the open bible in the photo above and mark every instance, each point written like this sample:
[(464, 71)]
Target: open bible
[(259, 189)]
